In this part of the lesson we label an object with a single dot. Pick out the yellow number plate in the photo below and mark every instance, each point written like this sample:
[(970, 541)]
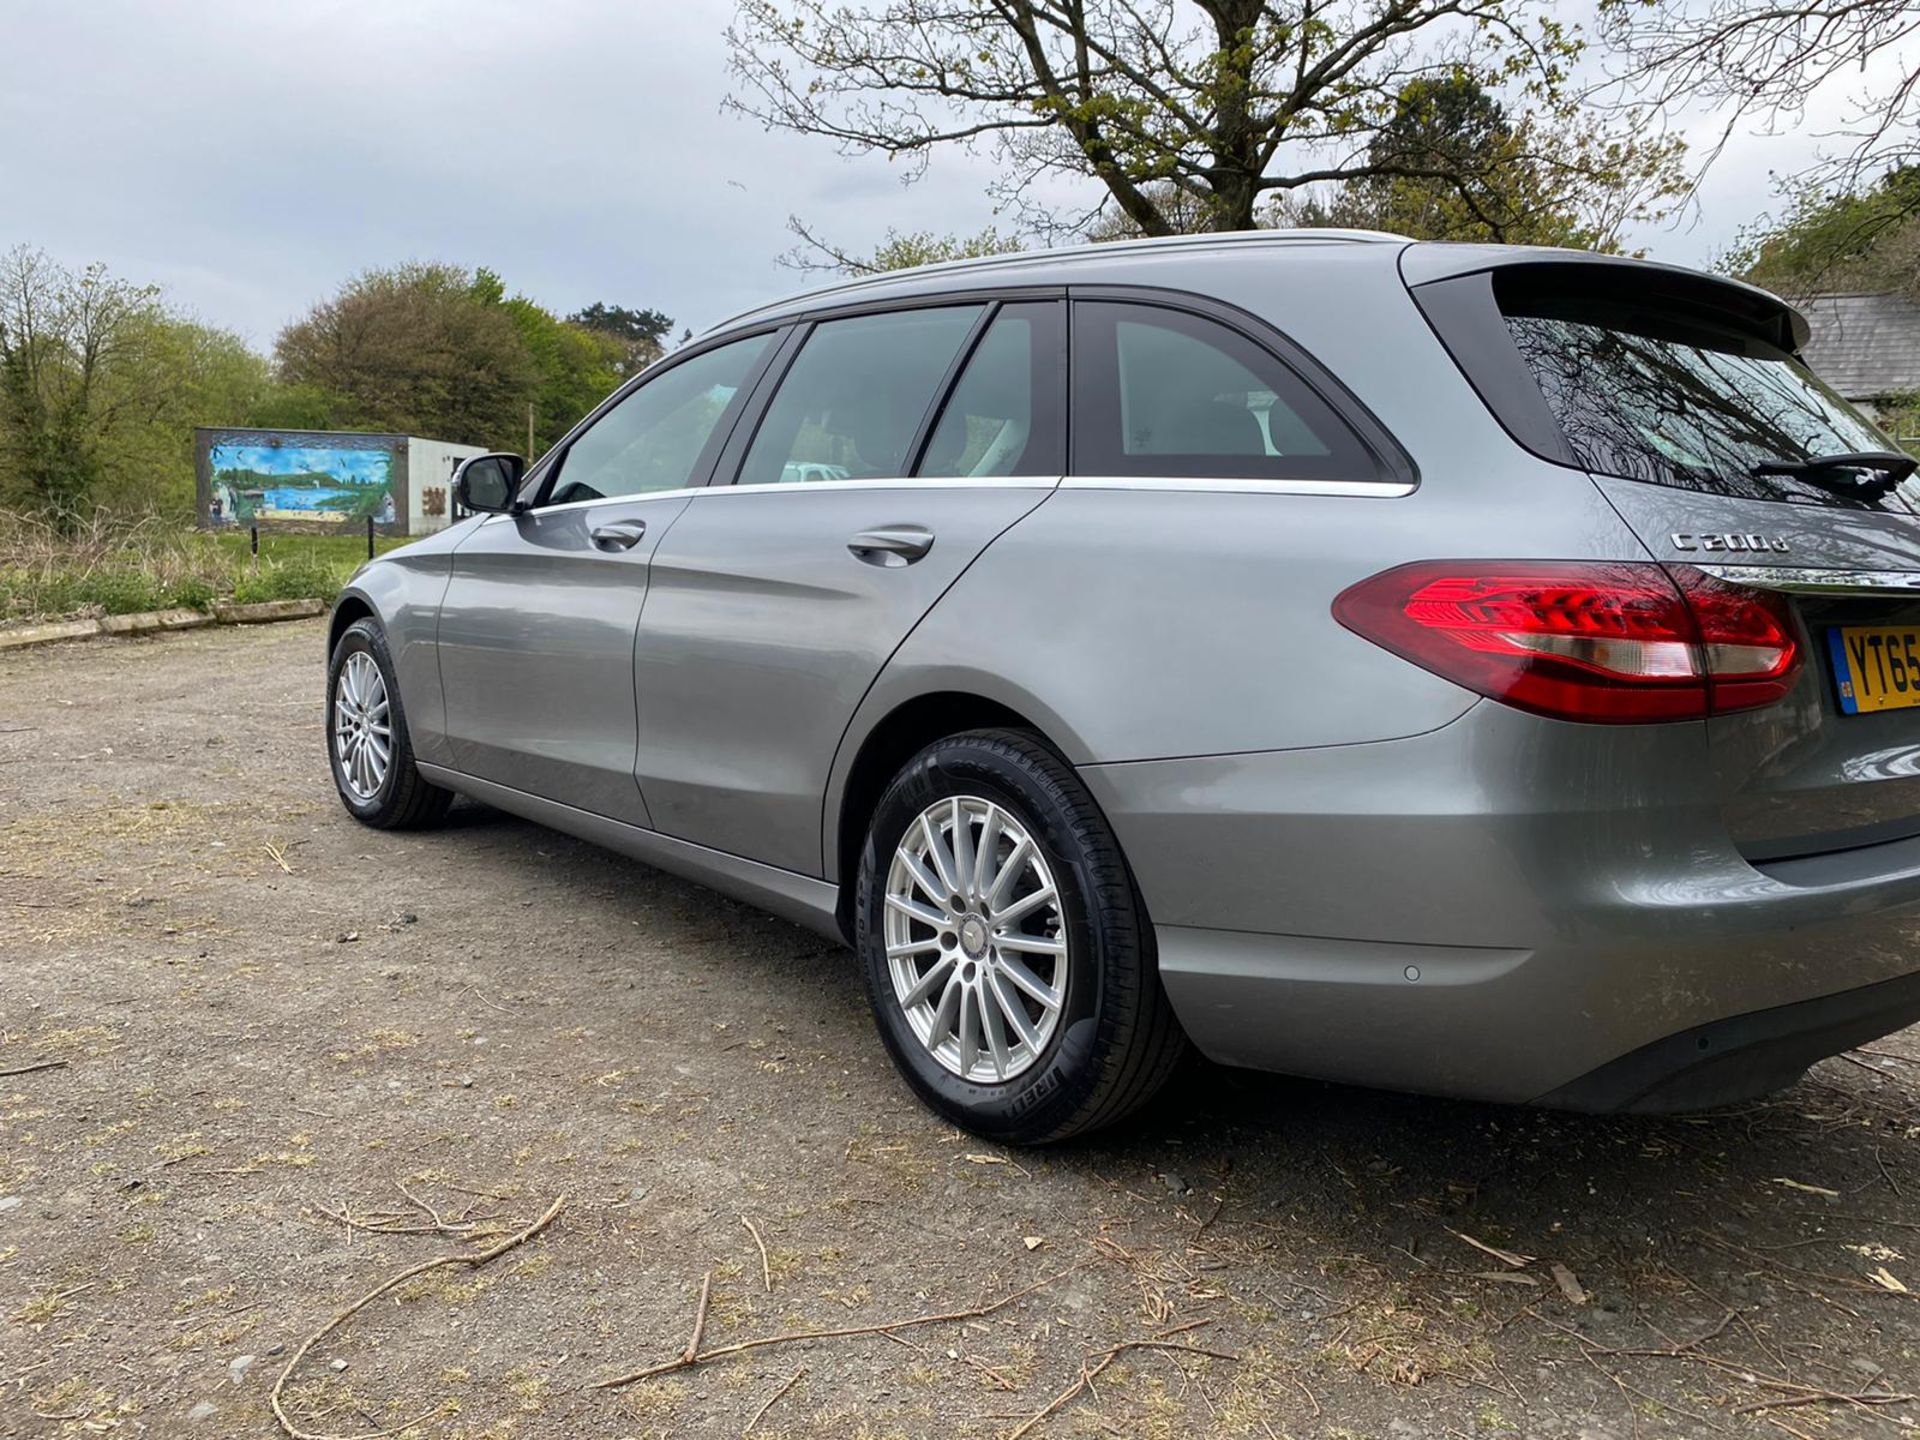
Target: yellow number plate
[(1877, 666)]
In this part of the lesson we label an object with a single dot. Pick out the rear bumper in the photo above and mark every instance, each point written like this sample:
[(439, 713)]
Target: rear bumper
[(1508, 909), (1735, 1059)]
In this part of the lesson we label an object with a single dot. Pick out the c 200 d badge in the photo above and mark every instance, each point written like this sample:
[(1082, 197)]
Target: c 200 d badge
[(1684, 541)]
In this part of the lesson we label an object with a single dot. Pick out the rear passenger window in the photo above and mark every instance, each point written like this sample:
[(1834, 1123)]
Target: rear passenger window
[(1160, 392), (1004, 417), (853, 399)]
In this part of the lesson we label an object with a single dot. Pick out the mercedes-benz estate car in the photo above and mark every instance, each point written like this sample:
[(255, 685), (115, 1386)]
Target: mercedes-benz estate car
[(1474, 670)]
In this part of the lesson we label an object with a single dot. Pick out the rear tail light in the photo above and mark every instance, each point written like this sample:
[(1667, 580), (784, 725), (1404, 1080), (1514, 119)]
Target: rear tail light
[(1614, 643)]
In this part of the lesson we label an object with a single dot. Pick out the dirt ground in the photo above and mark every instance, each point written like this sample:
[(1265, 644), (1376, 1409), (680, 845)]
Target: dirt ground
[(297, 1057)]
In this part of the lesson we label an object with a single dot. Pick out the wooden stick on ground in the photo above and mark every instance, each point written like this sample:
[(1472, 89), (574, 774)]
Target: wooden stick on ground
[(35, 1068), (694, 1356), (472, 1262), (1825, 1397), (766, 1270), (1088, 1374), (768, 1403), (688, 1355)]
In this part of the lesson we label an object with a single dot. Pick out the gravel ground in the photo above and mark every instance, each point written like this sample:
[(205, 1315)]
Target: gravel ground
[(296, 1057)]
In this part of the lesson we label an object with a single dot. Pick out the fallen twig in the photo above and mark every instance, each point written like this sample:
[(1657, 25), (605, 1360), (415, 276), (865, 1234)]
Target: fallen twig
[(1886, 1055), (387, 1223), (1089, 1373), (766, 1270), (472, 1262), (1846, 1282), (688, 1355), (35, 1068), (1505, 1257), (1825, 1397), (279, 856), (477, 994), (768, 1403), (692, 1356)]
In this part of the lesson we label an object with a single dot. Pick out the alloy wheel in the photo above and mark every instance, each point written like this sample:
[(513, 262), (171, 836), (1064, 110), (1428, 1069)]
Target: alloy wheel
[(976, 939), (362, 726)]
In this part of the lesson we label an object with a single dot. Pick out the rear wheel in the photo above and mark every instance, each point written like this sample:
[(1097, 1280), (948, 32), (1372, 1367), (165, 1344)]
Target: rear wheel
[(1008, 959), (367, 745)]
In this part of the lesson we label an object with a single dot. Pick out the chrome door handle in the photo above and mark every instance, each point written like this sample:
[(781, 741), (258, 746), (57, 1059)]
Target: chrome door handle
[(891, 546), (619, 534)]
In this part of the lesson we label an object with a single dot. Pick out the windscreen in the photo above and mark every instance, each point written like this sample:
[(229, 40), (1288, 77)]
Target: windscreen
[(1686, 402)]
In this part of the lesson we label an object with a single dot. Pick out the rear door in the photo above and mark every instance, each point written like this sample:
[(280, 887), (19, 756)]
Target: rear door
[(859, 496), (1682, 398), (537, 628)]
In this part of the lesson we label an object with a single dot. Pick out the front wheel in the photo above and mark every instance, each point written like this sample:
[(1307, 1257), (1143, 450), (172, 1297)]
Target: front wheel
[(1008, 959), (367, 743)]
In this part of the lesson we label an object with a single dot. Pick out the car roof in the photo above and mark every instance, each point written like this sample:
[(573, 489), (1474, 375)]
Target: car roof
[(1051, 267), (1166, 260)]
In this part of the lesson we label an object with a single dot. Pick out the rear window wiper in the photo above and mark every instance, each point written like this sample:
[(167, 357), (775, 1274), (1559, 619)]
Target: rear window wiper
[(1868, 474)]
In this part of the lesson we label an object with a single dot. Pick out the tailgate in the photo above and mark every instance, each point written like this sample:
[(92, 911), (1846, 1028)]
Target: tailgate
[(1682, 397), (1837, 764)]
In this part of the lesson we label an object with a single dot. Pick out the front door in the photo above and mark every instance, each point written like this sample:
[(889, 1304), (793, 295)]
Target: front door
[(776, 601), (536, 635)]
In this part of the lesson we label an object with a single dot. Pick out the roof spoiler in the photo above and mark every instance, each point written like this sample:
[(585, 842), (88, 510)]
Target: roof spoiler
[(1747, 307)]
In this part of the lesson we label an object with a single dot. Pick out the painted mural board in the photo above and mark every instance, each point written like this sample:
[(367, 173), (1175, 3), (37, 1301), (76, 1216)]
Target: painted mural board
[(301, 480)]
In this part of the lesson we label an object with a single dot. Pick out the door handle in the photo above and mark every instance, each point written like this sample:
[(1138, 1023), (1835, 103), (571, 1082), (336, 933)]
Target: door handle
[(619, 534), (894, 545)]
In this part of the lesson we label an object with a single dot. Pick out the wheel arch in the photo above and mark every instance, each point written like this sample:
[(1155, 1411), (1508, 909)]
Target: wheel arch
[(351, 607), (888, 732)]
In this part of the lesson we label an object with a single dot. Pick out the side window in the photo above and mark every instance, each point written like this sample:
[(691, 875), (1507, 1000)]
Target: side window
[(853, 399), (1161, 392), (652, 439), (1004, 418)]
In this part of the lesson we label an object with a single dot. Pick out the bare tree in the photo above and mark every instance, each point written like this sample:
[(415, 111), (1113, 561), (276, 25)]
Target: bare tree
[(1763, 62), (1222, 103), (898, 251)]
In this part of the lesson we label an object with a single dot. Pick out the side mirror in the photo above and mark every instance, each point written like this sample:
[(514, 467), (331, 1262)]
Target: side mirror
[(487, 484)]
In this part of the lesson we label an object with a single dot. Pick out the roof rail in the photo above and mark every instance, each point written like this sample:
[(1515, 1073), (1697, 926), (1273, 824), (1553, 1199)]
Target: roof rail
[(1087, 250)]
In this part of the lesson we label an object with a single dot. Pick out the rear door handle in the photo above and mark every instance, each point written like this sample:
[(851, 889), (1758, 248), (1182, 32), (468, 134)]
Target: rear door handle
[(619, 534), (893, 545)]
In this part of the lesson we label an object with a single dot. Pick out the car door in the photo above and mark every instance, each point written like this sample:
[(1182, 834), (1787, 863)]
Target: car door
[(858, 498), (537, 627)]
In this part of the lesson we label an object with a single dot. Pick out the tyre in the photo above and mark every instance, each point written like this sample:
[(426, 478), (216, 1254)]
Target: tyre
[(1007, 955), (367, 745)]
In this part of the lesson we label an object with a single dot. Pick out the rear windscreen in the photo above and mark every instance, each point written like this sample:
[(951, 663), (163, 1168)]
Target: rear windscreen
[(1680, 400)]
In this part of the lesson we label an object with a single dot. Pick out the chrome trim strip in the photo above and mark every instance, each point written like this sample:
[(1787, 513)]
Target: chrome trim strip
[(896, 482), (1369, 489), (1366, 489), (1801, 580)]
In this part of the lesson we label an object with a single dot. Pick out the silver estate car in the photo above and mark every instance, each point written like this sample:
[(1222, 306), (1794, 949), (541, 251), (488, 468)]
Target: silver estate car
[(1475, 670)]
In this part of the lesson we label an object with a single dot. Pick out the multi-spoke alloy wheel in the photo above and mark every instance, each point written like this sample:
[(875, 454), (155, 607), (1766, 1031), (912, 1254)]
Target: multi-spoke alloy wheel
[(976, 939), (362, 726), (1007, 956), (372, 759)]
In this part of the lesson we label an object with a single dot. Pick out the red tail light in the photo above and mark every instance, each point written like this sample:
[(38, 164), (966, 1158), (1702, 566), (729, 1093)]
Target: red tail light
[(1613, 643)]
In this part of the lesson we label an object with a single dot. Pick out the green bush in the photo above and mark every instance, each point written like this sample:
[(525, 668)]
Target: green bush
[(300, 578), (117, 592), (190, 592)]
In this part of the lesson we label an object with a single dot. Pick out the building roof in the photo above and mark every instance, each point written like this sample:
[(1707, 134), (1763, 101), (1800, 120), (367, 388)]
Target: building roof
[(1865, 346)]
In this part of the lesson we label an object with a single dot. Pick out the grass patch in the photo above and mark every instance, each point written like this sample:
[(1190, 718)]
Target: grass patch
[(111, 566)]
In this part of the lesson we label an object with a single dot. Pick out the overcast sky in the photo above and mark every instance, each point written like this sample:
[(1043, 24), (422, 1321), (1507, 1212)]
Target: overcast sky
[(248, 156)]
